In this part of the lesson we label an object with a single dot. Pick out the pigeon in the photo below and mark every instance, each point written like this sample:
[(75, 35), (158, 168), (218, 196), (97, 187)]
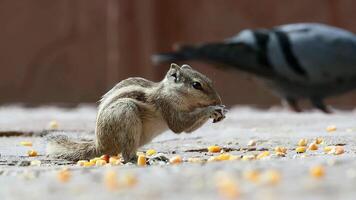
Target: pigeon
[(309, 61)]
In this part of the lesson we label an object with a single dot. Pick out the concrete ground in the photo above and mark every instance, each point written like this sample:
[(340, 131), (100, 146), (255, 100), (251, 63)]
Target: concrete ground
[(211, 180)]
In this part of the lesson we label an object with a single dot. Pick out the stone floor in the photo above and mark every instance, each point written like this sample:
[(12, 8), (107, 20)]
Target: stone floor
[(269, 128)]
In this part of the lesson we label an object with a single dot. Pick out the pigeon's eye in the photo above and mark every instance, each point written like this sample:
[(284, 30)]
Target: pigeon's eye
[(197, 85)]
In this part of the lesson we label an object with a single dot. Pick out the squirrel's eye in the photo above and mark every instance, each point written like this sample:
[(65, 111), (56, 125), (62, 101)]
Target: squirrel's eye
[(197, 85)]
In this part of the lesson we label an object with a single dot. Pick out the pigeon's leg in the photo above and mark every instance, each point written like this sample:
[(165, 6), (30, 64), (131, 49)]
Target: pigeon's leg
[(292, 104), (319, 104)]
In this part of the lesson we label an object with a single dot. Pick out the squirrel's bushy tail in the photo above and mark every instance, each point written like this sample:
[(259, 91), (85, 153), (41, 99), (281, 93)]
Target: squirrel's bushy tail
[(60, 146)]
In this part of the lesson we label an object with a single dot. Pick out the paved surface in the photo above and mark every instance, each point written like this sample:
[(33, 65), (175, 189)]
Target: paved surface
[(269, 128)]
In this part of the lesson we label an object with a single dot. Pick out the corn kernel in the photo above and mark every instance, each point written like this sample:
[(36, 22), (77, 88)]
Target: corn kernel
[(317, 171), (93, 161), (300, 149), (251, 143), (195, 160), (63, 175), (272, 177), (35, 163), (81, 162), (105, 157), (313, 147), (130, 180), (213, 158), (214, 149), (176, 160), (100, 163), (248, 157), (331, 128), (302, 142), (114, 160), (319, 140), (337, 150), (233, 157), (141, 160), (53, 124), (280, 154), (151, 152), (88, 164), (32, 153), (280, 150), (110, 180), (327, 149), (227, 187), (223, 156), (252, 175), (26, 143), (263, 155)]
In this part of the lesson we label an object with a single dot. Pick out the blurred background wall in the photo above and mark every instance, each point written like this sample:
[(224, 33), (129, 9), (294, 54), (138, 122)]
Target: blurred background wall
[(71, 51)]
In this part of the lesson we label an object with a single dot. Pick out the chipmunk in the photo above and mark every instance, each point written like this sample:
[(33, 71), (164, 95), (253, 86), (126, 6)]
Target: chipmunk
[(136, 110)]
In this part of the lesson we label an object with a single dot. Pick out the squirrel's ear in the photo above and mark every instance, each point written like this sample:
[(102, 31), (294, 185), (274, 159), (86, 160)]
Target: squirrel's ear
[(186, 66), (174, 72)]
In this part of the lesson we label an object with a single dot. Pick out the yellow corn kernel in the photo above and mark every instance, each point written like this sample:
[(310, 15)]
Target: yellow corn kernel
[(280, 154), (195, 160), (300, 149), (252, 175), (317, 171), (130, 180), (53, 124), (35, 163), (151, 152), (176, 160), (272, 177), (280, 149), (223, 156), (93, 161), (141, 160), (214, 149), (26, 143), (251, 143), (227, 187), (337, 150), (88, 164), (213, 158), (233, 157), (313, 147), (327, 149), (100, 163), (319, 140), (114, 160), (302, 142), (331, 128), (63, 175), (248, 157), (263, 155), (81, 163), (110, 180), (32, 153)]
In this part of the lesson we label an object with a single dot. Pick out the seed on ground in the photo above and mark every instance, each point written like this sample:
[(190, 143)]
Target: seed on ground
[(100, 163), (302, 142), (319, 140), (26, 143), (248, 157), (53, 124), (176, 160), (110, 180), (317, 171), (280, 149), (251, 143), (337, 150), (81, 162), (195, 160), (88, 164), (35, 163), (114, 160), (105, 157), (327, 149), (151, 152), (331, 128), (301, 149), (223, 156), (141, 160), (63, 175), (130, 180), (263, 155), (252, 175), (313, 147), (32, 153), (214, 149), (272, 177)]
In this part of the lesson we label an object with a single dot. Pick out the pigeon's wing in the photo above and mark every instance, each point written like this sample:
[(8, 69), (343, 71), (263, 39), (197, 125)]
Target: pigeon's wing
[(324, 53)]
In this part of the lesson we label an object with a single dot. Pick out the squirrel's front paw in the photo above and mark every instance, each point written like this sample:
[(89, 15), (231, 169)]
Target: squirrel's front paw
[(218, 113)]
